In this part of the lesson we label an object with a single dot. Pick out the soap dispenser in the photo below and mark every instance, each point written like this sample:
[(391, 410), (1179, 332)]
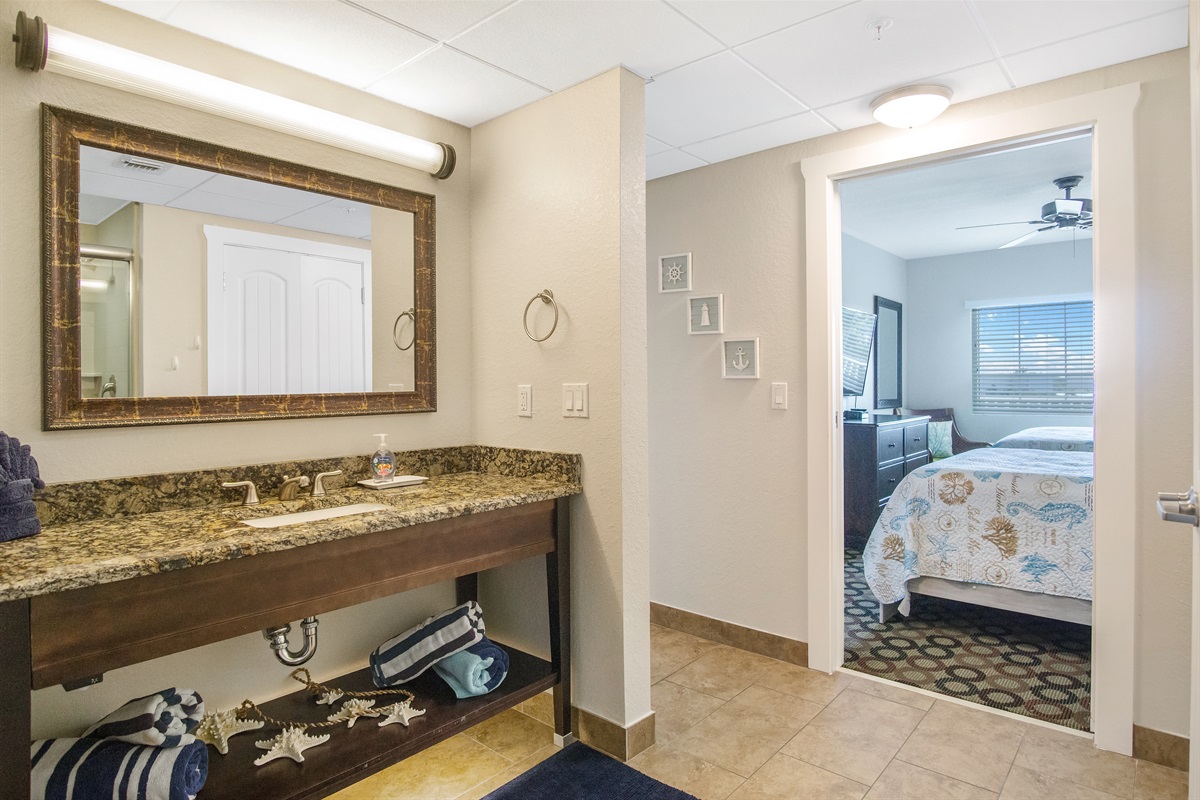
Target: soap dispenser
[(383, 461)]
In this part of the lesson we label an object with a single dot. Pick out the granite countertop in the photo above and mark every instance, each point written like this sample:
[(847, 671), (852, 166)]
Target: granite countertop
[(82, 553)]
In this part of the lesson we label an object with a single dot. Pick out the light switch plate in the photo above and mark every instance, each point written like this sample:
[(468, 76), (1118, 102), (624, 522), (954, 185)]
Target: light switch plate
[(575, 399), (524, 400), (779, 396)]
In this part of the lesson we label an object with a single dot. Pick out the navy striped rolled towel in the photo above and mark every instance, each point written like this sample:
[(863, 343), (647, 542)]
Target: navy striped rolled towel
[(404, 657), (162, 719), (103, 769)]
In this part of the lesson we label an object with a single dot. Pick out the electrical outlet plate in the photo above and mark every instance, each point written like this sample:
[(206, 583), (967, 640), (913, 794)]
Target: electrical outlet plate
[(575, 399), (524, 400)]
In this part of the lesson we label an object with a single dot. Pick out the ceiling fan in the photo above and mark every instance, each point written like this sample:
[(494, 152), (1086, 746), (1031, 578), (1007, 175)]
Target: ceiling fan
[(1062, 212)]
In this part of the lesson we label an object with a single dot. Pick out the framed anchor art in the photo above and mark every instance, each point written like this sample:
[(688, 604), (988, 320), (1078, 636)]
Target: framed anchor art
[(740, 358)]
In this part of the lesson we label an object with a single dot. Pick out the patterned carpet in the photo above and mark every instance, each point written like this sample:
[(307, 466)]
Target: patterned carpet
[(1031, 666)]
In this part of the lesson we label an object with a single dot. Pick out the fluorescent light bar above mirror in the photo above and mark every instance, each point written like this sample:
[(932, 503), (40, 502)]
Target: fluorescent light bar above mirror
[(40, 46)]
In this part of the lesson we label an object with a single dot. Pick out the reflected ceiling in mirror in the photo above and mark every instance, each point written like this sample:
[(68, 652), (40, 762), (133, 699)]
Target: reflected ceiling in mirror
[(188, 282)]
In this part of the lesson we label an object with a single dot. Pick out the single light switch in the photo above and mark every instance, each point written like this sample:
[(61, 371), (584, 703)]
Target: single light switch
[(779, 396), (524, 400), (575, 400)]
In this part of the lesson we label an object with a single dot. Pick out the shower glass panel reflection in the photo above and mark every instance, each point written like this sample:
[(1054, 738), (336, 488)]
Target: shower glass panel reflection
[(107, 292)]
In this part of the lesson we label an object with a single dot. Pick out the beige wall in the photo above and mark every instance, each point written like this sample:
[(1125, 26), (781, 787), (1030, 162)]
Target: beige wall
[(242, 667), (558, 203), (740, 522)]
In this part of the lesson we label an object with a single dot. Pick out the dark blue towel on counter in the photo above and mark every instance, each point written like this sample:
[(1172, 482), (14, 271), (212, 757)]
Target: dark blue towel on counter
[(477, 670), (102, 769)]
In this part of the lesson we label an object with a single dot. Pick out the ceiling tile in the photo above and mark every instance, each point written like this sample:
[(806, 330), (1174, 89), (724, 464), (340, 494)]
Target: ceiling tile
[(967, 84), (737, 22), (94, 210), (236, 207), (760, 137), (295, 199), (1022, 26), (456, 87), (154, 9), (835, 57), (324, 37), (108, 162), (558, 44), (101, 185), (1125, 43), (655, 146), (437, 18), (670, 162), (338, 217), (716, 95)]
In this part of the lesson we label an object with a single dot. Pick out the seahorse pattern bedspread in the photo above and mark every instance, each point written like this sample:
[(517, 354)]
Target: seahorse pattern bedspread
[(1007, 517), (1077, 439)]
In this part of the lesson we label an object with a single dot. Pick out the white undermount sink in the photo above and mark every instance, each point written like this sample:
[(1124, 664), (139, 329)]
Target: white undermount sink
[(299, 517)]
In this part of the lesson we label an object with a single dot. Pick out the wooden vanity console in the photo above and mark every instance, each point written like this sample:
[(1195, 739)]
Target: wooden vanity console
[(68, 636)]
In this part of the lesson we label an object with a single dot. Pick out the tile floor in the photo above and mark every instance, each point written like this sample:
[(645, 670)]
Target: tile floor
[(733, 724)]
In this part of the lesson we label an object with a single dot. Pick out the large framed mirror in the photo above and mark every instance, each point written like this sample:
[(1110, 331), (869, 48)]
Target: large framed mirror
[(188, 282), (889, 353)]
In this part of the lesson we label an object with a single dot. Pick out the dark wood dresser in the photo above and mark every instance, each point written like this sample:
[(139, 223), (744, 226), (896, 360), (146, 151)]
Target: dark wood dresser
[(879, 451)]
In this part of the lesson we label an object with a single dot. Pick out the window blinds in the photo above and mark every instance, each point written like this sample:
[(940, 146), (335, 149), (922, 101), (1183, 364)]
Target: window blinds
[(1035, 358)]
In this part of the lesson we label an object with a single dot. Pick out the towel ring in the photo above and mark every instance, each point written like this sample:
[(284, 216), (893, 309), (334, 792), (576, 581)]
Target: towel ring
[(411, 314), (546, 296)]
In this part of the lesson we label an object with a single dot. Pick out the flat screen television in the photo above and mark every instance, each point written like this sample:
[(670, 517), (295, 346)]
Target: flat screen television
[(858, 334)]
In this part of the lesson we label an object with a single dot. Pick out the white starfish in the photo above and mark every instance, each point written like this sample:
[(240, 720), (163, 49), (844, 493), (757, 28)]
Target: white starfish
[(216, 728), (329, 698), (353, 709), (399, 712), (290, 743)]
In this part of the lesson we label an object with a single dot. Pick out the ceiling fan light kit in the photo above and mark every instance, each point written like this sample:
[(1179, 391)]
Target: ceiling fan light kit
[(910, 106)]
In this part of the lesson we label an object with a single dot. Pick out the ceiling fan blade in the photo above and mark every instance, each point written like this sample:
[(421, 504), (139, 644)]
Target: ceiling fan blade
[(994, 224), (1026, 237)]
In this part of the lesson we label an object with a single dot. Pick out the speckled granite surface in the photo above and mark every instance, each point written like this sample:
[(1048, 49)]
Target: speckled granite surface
[(182, 527), (145, 494)]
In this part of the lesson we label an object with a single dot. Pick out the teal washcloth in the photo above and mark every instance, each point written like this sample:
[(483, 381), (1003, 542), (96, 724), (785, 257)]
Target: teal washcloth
[(477, 670)]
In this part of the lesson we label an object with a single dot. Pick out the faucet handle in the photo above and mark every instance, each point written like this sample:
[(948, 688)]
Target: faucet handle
[(319, 482), (251, 496)]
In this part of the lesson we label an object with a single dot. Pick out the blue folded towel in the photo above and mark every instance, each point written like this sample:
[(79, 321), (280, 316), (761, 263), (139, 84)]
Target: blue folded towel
[(477, 670), (404, 657), (162, 719), (103, 769), (20, 529)]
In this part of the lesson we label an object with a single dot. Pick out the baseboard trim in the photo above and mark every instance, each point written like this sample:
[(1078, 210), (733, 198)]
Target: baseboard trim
[(792, 651), (1160, 747), (607, 736)]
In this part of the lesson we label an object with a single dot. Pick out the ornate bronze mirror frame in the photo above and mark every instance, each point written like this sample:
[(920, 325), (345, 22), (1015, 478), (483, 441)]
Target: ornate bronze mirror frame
[(63, 133)]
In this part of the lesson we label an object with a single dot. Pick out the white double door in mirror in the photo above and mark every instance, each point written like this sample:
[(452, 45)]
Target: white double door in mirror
[(286, 316)]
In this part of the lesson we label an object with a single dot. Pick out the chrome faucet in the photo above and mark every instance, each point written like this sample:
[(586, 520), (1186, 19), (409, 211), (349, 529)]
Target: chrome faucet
[(319, 482), (291, 487)]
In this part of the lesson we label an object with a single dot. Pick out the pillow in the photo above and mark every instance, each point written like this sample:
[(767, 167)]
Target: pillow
[(940, 443)]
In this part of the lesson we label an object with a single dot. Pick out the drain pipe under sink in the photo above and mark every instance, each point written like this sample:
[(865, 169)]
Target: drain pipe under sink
[(277, 639)]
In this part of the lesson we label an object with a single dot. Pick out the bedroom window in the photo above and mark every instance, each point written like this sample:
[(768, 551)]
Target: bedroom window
[(1036, 358)]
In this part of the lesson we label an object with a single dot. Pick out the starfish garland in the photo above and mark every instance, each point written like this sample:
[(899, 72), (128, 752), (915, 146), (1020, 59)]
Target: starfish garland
[(216, 728), (290, 743), (330, 697), (353, 709), (399, 712)]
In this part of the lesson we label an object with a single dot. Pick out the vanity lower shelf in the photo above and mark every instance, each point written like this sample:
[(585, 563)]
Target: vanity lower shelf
[(352, 754)]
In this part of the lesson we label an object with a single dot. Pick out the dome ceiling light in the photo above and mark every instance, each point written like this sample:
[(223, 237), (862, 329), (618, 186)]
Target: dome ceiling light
[(911, 106)]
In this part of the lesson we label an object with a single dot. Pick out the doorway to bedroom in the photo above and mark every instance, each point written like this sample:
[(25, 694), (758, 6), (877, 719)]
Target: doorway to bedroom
[(968, 362)]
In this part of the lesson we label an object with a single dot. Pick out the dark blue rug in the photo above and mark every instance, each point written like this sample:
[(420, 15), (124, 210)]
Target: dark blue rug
[(580, 773)]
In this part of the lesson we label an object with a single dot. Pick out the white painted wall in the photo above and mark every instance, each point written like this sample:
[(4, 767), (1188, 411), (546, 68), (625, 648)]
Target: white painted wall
[(868, 271), (558, 203), (226, 672), (939, 352), (728, 476)]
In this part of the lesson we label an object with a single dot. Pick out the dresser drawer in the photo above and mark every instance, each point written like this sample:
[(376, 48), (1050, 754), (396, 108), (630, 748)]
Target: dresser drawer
[(890, 444), (889, 479), (915, 462), (916, 439)]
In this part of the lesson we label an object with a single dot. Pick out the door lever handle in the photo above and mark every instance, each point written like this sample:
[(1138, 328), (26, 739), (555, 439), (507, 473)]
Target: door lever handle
[(1179, 507)]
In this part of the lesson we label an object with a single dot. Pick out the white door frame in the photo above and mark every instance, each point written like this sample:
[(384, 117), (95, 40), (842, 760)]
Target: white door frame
[(1110, 115)]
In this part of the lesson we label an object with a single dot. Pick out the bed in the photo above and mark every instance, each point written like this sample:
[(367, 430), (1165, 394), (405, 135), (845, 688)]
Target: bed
[(1008, 528), (1077, 439)]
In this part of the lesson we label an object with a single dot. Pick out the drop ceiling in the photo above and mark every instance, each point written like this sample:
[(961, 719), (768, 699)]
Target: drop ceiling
[(917, 213), (724, 77)]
